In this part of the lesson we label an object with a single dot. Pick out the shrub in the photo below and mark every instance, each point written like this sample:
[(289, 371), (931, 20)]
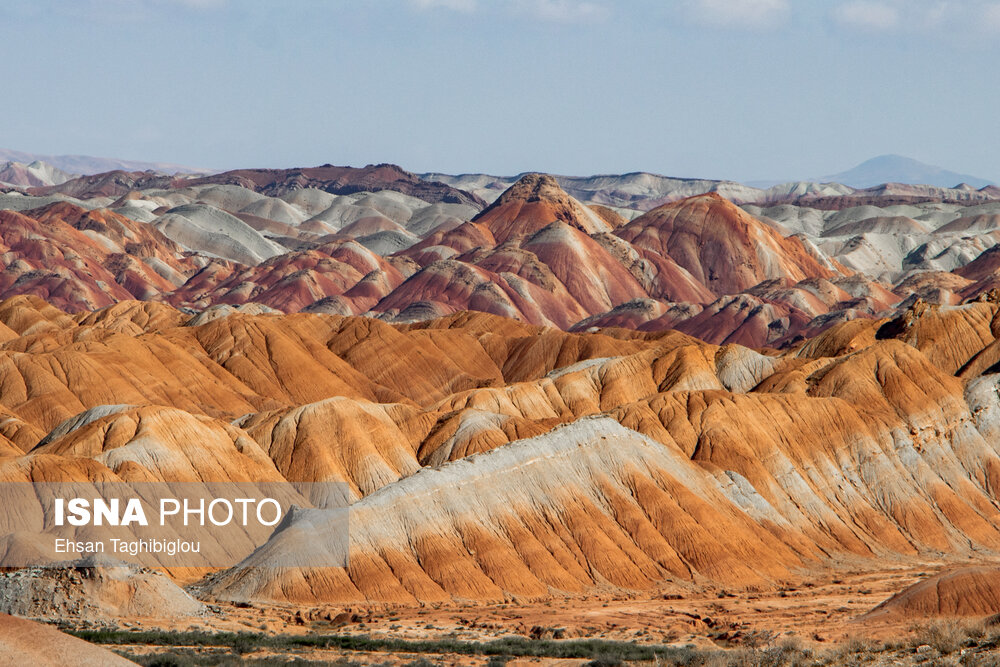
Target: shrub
[(945, 636), (605, 661)]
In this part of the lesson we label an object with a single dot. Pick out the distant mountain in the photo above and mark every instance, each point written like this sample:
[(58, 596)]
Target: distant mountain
[(35, 174), (272, 182), (899, 169), (87, 164), (639, 190)]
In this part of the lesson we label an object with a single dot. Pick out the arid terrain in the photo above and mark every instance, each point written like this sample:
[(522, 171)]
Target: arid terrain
[(695, 420)]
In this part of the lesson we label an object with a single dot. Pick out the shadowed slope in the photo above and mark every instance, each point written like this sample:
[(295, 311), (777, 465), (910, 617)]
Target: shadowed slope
[(969, 591)]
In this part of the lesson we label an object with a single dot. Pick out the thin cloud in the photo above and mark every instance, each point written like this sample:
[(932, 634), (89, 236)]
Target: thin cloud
[(556, 11), (202, 4), (944, 17), (867, 15), (197, 5), (138, 11), (991, 17), (738, 13), (562, 11), (464, 6)]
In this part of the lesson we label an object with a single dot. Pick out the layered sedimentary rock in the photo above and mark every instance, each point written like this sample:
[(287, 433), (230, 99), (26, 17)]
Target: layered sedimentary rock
[(531, 204), (759, 384), (487, 458), (83, 260), (724, 248), (759, 277), (961, 592)]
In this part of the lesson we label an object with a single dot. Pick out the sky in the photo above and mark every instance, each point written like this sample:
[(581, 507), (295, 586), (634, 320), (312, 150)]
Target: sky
[(736, 89)]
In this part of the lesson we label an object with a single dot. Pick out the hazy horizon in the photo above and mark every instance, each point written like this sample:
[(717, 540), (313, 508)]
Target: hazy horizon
[(748, 90)]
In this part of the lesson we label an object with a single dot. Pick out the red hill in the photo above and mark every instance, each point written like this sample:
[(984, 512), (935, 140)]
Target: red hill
[(722, 246), (532, 203)]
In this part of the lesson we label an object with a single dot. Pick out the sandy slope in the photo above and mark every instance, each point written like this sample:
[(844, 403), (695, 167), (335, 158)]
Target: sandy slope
[(24, 642)]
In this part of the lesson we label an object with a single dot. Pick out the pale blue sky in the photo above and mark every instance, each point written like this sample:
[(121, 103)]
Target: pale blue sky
[(743, 89)]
